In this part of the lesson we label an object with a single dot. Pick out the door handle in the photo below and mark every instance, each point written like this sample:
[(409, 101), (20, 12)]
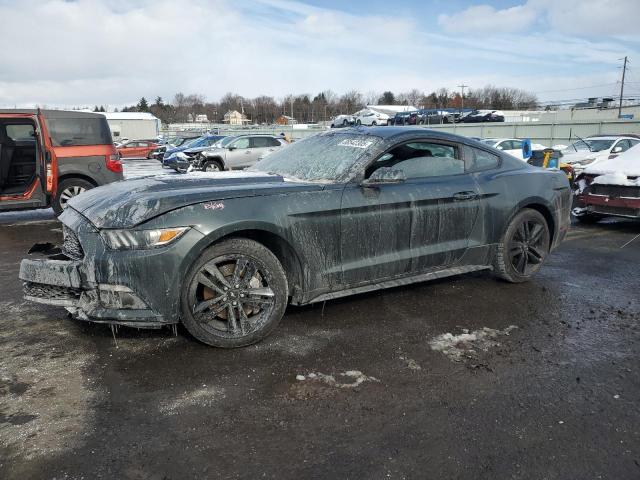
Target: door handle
[(465, 195)]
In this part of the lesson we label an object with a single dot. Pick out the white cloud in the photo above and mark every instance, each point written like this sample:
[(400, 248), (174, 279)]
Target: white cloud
[(114, 52), (482, 20)]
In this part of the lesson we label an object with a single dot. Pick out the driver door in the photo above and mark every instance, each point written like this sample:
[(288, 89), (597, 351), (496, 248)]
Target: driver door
[(239, 154), (408, 227)]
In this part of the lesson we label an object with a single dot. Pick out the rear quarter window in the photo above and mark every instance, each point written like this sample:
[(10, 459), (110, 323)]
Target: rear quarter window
[(68, 132), (479, 159)]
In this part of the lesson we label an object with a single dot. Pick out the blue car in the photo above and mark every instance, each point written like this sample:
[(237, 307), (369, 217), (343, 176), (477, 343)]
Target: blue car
[(170, 156)]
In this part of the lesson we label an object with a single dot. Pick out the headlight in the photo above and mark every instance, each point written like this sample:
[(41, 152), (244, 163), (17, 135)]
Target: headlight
[(136, 239)]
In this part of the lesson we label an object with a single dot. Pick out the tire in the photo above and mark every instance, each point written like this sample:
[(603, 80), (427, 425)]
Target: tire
[(212, 166), (358, 123), (523, 247), (345, 123), (210, 297), (374, 123), (67, 189)]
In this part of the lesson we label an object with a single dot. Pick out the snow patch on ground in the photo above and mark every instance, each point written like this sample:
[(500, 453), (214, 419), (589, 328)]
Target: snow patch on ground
[(466, 344), (202, 397), (348, 379)]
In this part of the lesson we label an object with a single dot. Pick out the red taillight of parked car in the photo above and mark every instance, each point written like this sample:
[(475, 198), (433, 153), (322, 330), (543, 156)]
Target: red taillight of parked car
[(113, 163)]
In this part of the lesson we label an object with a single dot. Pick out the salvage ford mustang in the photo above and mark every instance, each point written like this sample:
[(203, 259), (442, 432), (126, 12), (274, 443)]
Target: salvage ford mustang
[(339, 213)]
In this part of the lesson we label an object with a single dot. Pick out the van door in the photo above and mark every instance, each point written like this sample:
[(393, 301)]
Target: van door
[(27, 165)]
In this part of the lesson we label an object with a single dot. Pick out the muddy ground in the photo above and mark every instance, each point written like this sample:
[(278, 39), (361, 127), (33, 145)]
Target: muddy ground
[(544, 382)]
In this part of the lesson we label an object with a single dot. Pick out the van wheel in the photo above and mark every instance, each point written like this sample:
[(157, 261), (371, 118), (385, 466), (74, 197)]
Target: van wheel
[(67, 189), (234, 295)]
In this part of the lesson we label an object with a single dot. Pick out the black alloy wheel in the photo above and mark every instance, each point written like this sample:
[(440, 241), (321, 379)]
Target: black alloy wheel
[(524, 247), (236, 294)]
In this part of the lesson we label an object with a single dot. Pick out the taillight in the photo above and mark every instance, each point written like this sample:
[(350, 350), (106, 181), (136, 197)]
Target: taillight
[(113, 163), (49, 178)]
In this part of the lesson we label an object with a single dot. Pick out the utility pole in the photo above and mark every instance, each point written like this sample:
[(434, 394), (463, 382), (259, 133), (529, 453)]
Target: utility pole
[(462, 87), (624, 70)]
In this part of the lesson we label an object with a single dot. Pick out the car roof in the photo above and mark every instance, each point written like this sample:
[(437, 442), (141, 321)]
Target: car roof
[(53, 113), (389, 133), (611, 137)]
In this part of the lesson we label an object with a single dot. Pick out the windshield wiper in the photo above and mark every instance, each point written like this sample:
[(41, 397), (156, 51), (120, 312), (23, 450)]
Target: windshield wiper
[(583, 141)]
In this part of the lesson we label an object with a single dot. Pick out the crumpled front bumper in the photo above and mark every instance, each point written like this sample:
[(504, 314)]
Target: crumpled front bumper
[(55, 279)]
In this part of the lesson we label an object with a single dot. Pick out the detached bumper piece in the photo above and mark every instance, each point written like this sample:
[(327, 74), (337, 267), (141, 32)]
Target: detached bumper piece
[(60, 281)]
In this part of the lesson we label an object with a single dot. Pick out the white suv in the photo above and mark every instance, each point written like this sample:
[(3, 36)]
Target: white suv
[(371, 118), (591, 150)]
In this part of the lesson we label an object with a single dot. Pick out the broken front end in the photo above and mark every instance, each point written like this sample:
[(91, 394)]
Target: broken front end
[(101, 284), (607, 195)]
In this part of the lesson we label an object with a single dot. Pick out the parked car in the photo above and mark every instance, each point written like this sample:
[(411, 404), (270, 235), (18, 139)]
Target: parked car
[(404, 118), (171, 155), (512, 146), (610, 187), (234, 153), (371, 118), (478, 116), (137, 149), (427, 116), (49, 156), (342, 121), (342, 212), (173, 142), (592, 150), (191, 153)]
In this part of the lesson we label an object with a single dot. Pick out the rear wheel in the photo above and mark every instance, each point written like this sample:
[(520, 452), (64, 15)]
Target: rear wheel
[(212, 166), (235, 294), (67, 189), (524, 247)]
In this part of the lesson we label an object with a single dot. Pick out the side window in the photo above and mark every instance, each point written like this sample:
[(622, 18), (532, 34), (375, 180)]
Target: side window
[(274, 142), (20, 133), (259, 142), (241, 143), (480, 159), (516, 145), (423, 159)]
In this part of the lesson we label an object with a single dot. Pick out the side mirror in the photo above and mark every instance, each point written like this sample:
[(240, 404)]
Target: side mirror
[(385, 175), (231, 149), (616, 150)]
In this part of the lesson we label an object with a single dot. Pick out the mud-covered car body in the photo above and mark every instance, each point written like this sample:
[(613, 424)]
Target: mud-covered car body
[(354, 233)]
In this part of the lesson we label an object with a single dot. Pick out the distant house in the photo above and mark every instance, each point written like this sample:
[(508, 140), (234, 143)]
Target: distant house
[(201, 118), (233, 117), (286, 120)]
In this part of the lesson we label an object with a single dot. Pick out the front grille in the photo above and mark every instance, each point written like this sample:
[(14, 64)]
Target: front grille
[(71, 246), (614, 190), (51, 292)]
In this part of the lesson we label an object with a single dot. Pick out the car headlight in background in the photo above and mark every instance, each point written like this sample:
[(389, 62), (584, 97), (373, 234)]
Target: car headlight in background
[(136, 239), (587, 161)]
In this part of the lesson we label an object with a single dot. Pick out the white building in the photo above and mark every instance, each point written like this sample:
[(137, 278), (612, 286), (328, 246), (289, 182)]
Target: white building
[(133, 125)]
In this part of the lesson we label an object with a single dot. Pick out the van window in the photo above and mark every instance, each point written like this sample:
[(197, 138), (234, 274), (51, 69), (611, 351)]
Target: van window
[(20, 133), (67, 132)]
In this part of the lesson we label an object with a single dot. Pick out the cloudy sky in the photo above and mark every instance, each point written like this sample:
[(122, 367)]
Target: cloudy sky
[(86, 52)]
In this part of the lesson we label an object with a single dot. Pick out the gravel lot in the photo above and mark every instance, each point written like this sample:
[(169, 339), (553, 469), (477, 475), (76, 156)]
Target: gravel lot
[(467, 377)]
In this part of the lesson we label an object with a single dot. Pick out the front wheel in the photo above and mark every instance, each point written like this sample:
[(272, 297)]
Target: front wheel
[(212, 166), (523, 248), (358, 123), (234, 295), (67, 189)]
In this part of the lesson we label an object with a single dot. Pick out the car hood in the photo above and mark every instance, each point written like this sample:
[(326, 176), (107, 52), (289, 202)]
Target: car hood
[(577, 157), (129, 203)]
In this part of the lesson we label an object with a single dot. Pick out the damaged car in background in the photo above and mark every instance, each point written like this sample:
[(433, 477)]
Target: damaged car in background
[(339, 213), (609, 188)]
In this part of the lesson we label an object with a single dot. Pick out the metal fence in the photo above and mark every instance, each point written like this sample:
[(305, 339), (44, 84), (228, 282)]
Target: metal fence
[(545, 133)]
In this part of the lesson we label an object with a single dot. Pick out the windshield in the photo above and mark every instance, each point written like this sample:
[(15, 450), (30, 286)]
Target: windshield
[(591, 145), (326, 157), (225, 141)]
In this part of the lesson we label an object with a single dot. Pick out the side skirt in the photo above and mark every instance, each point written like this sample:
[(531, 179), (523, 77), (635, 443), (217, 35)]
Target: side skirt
[(397, 282)]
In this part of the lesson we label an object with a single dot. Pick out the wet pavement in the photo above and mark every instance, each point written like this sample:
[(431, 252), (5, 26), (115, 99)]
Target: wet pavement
[(467, 377)]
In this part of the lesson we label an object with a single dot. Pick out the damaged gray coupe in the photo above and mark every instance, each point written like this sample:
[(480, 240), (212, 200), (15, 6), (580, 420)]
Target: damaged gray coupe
[(336, 214)]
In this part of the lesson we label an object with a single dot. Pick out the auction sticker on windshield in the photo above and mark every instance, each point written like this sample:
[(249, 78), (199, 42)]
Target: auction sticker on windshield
[(351, 142)]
